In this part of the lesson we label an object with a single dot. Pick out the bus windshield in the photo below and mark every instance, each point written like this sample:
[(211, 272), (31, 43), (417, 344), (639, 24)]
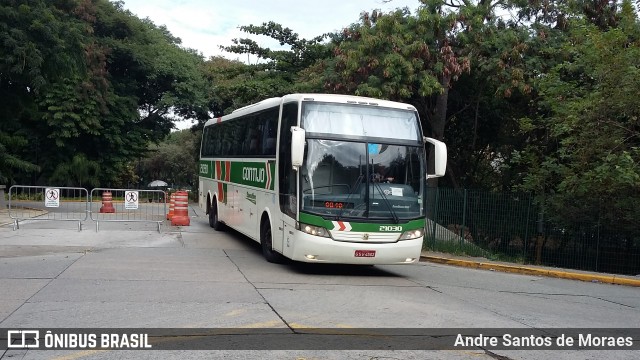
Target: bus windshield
[(362, 162), (362, 180)]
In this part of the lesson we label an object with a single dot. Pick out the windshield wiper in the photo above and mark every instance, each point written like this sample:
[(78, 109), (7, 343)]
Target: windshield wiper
[(386, 201), (358, 181)]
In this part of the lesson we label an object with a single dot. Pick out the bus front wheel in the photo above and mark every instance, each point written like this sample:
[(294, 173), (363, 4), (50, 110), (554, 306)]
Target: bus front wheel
[(266, 242)]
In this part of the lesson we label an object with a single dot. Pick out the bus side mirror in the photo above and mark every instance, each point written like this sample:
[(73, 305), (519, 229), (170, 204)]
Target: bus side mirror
[(440, 157), (297, 146)]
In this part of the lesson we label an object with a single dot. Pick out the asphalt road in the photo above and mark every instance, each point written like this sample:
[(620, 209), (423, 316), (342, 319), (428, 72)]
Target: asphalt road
[(130, 276)]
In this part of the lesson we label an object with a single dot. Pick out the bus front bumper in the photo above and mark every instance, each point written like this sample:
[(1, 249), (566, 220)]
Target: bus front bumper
[(315, 249)]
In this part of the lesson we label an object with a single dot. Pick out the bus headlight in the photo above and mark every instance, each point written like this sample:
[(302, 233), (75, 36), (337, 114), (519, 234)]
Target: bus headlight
[(315, 230), (412, 234)]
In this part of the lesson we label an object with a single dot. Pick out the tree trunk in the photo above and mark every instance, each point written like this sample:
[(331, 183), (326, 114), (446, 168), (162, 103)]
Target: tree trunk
[(437, 122)]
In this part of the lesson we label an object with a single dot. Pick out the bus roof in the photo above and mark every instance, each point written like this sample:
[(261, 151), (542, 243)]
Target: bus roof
[(276, 101)]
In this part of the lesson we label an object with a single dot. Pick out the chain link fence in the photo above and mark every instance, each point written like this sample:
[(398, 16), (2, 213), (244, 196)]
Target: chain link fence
[(511, 227)]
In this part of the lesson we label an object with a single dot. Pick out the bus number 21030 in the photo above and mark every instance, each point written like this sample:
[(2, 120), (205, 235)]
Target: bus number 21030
[(390, 228)]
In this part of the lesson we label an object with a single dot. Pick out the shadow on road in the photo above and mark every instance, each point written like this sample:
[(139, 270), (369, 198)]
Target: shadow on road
[(316, 269)]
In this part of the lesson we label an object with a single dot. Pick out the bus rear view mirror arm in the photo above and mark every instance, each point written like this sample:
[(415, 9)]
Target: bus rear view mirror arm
[(440, 157), (297, 146)]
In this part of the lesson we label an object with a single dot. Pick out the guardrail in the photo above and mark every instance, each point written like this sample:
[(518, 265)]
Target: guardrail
[(127, 205), (47, 203)]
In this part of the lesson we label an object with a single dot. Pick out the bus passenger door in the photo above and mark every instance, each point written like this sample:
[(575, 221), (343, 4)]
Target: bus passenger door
[(288, 236)]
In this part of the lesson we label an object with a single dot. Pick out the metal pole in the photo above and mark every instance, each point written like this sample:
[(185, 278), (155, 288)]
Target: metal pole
[(464, 217), (598, 241), (526, 233)]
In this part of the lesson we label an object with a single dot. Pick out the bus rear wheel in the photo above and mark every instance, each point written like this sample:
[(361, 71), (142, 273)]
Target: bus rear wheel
[(214, 221), (266, 242)]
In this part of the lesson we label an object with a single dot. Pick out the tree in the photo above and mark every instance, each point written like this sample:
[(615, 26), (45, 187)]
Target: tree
[(413, 58), (301, 54), (173, 160), (87, 77), (234, 84), (40, 44), (79, 172), (587, 167), (10, 164)]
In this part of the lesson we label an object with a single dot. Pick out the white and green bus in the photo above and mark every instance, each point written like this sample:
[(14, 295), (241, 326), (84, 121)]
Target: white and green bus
[(320, 178)]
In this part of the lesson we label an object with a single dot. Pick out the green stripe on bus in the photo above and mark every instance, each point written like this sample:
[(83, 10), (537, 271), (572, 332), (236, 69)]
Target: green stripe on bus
[(250, 173), (361, 227), (206, 168)]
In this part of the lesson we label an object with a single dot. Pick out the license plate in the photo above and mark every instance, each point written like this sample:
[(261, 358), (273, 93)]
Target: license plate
[(365, 253)]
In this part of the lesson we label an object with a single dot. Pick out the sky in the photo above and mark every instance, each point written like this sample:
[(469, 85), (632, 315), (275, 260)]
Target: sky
[(204, 25)]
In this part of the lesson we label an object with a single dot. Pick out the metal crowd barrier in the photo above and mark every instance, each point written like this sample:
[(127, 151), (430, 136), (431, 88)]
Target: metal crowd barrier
[(47, 203), (128, 205)]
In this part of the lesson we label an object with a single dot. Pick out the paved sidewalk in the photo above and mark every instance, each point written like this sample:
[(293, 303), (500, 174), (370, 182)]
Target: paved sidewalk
[(4, 217), (480, 263)]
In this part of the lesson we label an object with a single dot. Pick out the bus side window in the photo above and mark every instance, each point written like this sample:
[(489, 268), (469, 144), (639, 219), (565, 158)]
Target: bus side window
[(206, 142), (223, 139), (251, 138), (237, 136), (211, 141), (270, 123)]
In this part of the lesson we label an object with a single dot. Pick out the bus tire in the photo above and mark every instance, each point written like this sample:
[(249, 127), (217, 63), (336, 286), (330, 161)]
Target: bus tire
[(214, 220), (266, 242)]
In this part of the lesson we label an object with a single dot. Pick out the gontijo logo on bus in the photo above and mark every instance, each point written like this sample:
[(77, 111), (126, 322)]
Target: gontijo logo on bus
[(253, 174), (250, 173)]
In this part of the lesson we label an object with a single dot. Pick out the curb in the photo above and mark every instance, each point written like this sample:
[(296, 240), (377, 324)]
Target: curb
[(609, 279)]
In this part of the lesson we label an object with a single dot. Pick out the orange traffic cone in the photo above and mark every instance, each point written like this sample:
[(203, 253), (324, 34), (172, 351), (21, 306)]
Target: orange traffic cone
[(172, 204), (107, 203), (181, 209)]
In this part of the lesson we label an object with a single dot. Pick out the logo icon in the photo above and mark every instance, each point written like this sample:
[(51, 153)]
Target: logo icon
[(365, 236), (23, 339)]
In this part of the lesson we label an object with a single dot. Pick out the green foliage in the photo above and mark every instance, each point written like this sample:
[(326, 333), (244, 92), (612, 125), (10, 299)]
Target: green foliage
[(40, 44), (416, 58), (545, 101), (79, 172), (174, 160), (39, 41), (589, 159), (421, 59), (85, 77), (10, 164), (235, 84), (302, 53)]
